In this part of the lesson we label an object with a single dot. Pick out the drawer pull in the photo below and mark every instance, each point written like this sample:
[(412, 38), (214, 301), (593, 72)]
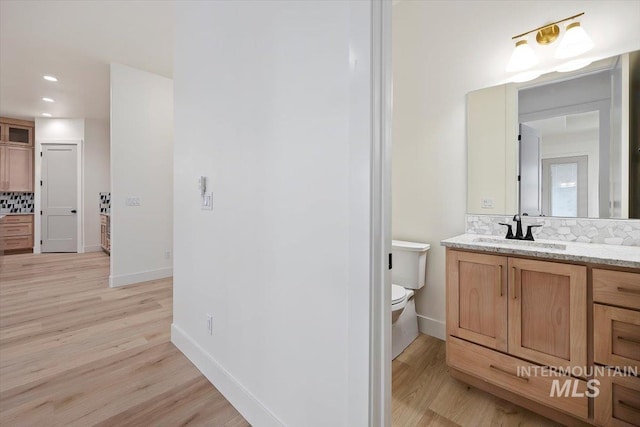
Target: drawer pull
[(629, 290), (628, 405), (633, 340), (500, 280), (508, 373)]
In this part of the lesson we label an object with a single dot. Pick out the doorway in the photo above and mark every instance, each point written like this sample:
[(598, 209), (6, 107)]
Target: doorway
[(59, 207)]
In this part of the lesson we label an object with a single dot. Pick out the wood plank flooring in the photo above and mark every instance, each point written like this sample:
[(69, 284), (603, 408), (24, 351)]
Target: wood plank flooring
[(425, 395), (74, 352)]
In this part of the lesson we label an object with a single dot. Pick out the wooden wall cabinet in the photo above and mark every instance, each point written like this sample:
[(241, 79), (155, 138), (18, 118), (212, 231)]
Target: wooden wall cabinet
[(504, 313), (16, 155)]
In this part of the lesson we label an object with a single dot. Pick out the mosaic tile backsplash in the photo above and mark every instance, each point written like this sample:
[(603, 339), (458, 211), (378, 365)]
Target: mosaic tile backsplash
[(105, 203), (586, 230), (16, 202)]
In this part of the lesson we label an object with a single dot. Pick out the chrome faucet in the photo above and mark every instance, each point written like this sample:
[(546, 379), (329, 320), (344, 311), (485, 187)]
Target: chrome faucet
[(519, 235)]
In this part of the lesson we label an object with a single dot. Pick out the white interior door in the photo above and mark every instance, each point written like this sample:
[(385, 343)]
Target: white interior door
[(59, 198)]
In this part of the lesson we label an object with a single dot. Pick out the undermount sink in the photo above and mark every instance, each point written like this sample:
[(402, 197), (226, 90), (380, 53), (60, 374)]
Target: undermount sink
[(527, 243)]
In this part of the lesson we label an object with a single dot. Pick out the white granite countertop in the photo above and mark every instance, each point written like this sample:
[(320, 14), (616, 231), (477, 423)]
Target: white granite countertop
[(621, 256)]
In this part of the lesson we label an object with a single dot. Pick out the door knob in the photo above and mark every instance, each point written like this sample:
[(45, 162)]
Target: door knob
[(73, 211)]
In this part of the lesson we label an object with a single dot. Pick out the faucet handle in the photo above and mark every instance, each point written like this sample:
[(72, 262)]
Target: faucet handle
[(509, 230), (529, 235)]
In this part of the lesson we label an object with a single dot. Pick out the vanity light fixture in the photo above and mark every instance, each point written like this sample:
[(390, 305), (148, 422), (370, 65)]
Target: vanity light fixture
[(522, 57), (45, 99), (575, 42)]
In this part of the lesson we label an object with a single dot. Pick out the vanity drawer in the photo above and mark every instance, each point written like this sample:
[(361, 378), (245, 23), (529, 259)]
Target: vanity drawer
[(15, 219), (502, 370), (617, 288), (618, 403), (17, 229), (11, 243), (616, 336)]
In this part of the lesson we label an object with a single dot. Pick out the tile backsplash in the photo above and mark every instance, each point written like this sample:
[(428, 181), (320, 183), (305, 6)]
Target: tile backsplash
[(105, 203), (11, 202), (587, 230)]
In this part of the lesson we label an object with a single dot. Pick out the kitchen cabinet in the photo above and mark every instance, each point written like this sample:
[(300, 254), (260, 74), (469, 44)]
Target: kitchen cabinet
[(105, 233), (16, 233), (16, 155)]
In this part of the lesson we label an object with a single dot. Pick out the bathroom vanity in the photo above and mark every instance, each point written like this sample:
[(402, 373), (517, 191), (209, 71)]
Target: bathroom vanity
[(516, 309)]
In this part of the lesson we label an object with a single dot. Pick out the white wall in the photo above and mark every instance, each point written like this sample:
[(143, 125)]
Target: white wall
[(62, 130), (141, 166), (268, 108), (442, 51), (96, 178)]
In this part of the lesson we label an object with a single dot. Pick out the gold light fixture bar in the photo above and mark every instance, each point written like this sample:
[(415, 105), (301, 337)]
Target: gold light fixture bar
[(547, 33)]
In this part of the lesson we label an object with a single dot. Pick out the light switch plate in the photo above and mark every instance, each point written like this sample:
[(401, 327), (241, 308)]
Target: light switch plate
[(207, 202)]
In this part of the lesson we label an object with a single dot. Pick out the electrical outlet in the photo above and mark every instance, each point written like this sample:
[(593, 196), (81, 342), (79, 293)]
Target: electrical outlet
[(210, 324), (167, 254), (133, 201), (487, 203)]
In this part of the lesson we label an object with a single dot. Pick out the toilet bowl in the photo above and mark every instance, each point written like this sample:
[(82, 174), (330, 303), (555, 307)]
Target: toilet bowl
[(399, 297), (407, 275)]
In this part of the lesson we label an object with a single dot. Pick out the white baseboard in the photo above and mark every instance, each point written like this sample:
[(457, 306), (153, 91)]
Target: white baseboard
[(143, 276), (241, 399), (96, 248), (432, 327)]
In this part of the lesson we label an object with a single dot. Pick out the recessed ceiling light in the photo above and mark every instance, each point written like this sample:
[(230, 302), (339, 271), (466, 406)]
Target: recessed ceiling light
[(50, 78), (47, 99), (46, 114)]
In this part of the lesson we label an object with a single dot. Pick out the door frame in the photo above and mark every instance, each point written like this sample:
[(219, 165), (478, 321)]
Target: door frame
[(380, 291), (37, 223)]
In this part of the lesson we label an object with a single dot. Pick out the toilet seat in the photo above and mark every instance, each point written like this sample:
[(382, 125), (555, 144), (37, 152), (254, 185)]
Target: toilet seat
[(398, 296)]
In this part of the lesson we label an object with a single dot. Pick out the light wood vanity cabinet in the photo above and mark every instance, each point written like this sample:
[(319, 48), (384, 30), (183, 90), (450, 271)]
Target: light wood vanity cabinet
[(616, 319), (505, 313)]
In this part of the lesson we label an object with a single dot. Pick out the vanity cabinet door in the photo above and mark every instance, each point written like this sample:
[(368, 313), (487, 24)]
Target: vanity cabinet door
[(477, 298), (548, 312)]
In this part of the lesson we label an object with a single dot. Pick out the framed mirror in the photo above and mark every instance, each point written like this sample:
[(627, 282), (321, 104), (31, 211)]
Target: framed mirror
[(561, 145)]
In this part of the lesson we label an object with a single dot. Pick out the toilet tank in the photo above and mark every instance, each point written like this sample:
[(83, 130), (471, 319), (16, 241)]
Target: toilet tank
[(409, 264)]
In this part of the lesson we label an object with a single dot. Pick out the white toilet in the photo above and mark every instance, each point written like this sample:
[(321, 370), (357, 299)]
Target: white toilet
[(407, 275)]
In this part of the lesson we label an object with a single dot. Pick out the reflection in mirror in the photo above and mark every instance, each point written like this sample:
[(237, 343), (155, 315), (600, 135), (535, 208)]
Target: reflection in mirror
[(563, 145), (568, 146)]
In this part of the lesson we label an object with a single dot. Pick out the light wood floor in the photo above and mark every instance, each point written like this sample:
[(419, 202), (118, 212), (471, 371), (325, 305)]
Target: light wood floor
[(425, 395), (74, 352)]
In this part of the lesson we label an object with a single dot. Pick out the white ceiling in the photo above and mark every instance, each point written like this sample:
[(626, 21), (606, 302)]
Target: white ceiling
[(569, 124), (75, 41)]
